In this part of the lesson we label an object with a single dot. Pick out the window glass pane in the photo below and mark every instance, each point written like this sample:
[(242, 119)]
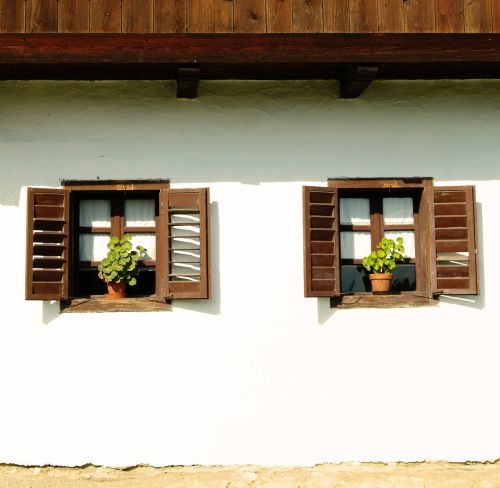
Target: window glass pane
[(93, 247), (140, 213), (355, 211), (408, 240), (404, 278), (145, 283), (398, 211), (95, 213), (145, 240), (355, 245), (90, 284), (353, 278)]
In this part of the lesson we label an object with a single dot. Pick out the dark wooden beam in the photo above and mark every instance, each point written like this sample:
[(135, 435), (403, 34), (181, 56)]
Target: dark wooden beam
[(187, 58), (245, 71), (356, 79), (187, 81), (193, 49)]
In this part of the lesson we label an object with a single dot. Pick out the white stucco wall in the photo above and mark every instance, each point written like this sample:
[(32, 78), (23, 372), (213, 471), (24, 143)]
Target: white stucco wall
[(259, 374)]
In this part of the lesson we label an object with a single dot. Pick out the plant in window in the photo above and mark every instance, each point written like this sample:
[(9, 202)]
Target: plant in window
[(382, 262), (121, 265)]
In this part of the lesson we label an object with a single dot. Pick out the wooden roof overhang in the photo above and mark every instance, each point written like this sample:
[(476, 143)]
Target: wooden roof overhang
[(354, 59)]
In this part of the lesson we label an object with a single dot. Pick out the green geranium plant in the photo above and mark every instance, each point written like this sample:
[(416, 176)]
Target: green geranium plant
[(121, 262), (385, 257)]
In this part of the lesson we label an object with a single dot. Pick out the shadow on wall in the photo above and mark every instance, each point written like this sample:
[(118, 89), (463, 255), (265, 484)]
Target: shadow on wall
[(250, 132), (50, 311), (325, 311)]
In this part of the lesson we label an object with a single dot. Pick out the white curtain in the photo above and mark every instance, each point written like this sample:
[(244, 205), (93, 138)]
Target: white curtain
[(398, 211), (355, 211), (93, 247), (140, 213), (145, 240), (408, 240), (95, 213), (355, 245)]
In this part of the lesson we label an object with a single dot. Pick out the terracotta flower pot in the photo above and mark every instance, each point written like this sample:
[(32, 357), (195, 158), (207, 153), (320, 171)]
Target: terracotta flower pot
[(381, 282), (116, 290)]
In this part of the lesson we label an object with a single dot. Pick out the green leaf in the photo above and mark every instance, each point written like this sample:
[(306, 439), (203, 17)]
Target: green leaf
[(120, 264)]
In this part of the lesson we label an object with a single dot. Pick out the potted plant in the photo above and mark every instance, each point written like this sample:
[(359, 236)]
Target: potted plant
[(382, 262), (120, 266)]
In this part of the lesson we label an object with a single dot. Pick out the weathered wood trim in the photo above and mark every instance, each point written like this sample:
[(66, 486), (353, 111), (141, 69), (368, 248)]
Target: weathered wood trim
[(248, 48), (368, 300), (115, 185), (86, 305)]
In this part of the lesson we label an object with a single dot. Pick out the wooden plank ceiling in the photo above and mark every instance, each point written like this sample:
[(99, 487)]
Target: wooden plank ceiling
[(249, 16)]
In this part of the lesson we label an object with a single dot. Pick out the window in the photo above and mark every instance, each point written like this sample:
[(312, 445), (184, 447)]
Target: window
[(68, 231), (115, 214), (367, 217), (344, 221)]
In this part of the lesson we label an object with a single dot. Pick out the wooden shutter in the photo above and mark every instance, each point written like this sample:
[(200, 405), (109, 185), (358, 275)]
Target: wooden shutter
[(47, 244), (453, 241), (188, 243), (321, 242)]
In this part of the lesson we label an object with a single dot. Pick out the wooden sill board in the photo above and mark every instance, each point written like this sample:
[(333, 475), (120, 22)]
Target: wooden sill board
[(87, 305), (381, 301)]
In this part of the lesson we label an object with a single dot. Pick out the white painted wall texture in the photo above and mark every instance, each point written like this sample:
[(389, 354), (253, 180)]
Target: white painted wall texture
[(258, 374)]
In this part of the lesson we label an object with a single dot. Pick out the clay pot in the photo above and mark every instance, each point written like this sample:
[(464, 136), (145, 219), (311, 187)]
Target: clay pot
[(381, 282), (116, 290)]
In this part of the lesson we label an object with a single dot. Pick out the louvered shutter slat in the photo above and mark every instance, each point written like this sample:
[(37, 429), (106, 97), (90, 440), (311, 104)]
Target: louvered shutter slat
[(188, 222), (47, 244), (453, 248), (321, 238)]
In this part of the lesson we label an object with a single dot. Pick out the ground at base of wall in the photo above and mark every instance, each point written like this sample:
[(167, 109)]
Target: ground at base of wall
[(345, 475)]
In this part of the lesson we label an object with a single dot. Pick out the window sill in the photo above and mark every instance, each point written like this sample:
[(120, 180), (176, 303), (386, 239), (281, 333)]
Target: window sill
[(95, 304), (393, 300)]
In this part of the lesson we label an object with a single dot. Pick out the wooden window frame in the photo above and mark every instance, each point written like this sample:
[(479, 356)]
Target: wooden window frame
[(116, 191), (445, 241), (117, 228), (171, 204), (378, 188), (377, 227), (445, 227)]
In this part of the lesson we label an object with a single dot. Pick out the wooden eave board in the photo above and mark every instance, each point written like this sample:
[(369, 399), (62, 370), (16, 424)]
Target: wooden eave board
[(247, 56), (243, 48)]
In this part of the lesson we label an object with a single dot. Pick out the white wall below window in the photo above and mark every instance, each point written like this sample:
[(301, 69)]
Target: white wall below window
[(258, 374)]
